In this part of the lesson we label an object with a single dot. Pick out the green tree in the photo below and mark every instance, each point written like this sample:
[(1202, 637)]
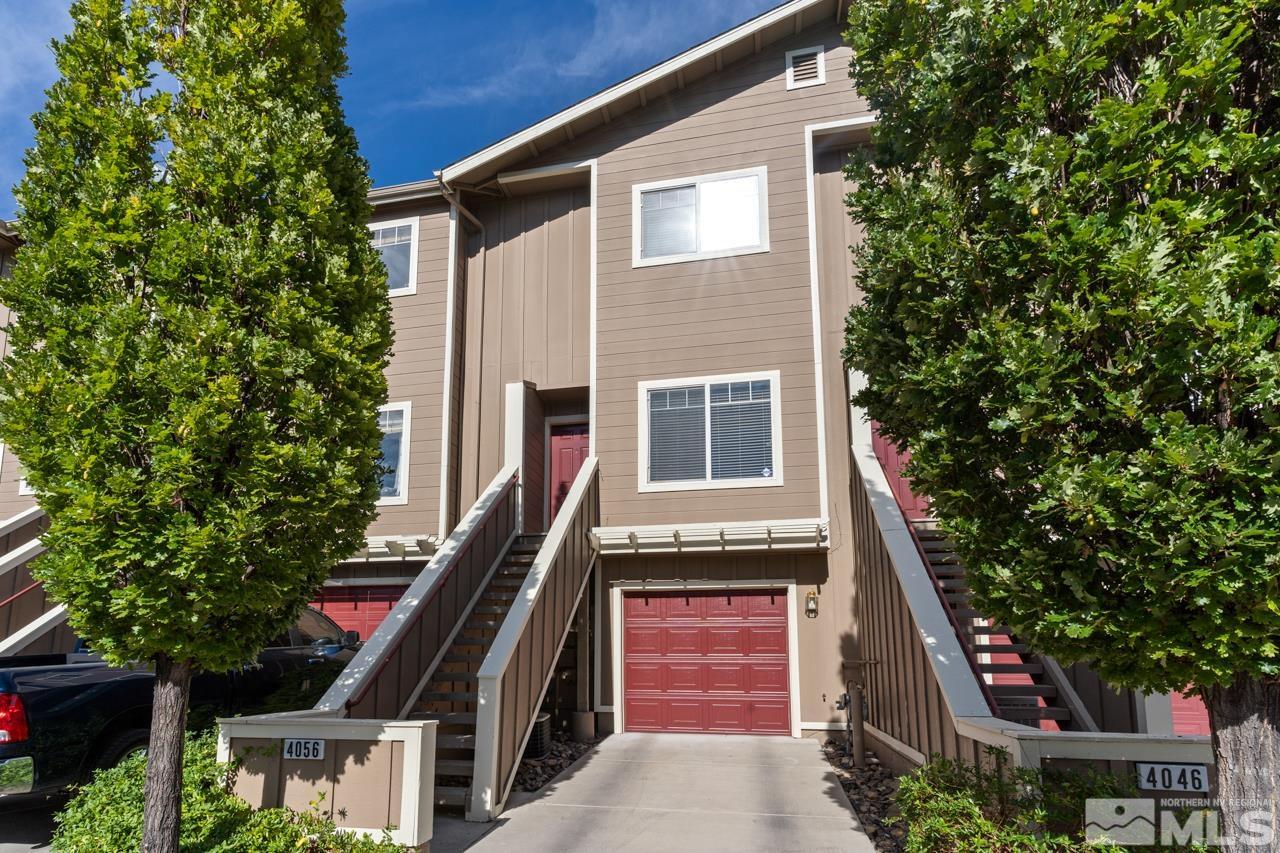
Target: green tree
[(194, 377), (1072, 279)]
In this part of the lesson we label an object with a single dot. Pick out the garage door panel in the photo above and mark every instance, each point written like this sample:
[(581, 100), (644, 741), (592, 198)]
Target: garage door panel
[(685, 641), (707, 660), (682, 607), (767, 678), (769, 716), (644, 677), (767, 641), (644, 639), (683, 715), (683, 678), (727, 641), (766, 605), (726, 678), (728, 716)]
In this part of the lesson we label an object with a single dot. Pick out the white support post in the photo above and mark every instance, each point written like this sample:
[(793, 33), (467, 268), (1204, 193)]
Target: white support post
[(513, 434), (483, 803)]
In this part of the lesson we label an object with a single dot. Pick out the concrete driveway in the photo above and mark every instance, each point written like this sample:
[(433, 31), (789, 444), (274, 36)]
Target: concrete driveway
[(639, 792)]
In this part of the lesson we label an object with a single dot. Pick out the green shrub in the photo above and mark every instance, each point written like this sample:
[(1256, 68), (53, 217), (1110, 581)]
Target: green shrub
[(952, 807), (105, 816)]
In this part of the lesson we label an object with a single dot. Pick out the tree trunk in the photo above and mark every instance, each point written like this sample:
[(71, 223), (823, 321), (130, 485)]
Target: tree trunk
[(1245, 717), (162, 813)]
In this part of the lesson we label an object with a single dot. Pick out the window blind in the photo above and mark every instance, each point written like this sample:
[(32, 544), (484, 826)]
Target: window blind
[(677, 434), (393, 244), (391, 422), (741, 430), (668, 222)]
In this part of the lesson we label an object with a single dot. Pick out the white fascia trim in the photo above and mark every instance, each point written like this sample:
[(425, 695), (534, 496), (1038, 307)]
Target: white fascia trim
[(815, 288), (627, 87), (637, 190), (451, 286), (591, 366), (775, 415), (793, 632), (333, 583), (822, 67), (411, 221), (554, 170), (403, 464)]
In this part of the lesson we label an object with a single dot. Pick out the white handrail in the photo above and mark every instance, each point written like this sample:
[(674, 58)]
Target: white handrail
[(21, 519), (21, 555), (365, 665), (15, 642), (485, 796)]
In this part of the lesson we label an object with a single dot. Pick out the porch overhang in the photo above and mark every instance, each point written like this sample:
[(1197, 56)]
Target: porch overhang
[(795, 534), (393, 548)]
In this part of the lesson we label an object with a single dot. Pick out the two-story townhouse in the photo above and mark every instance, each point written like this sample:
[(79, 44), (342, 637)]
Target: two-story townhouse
[(622, 450)]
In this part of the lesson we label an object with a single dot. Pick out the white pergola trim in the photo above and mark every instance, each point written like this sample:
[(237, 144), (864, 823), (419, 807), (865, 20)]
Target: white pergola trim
[(796, 534)]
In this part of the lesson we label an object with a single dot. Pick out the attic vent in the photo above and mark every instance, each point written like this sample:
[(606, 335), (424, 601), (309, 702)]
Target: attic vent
[(805, 67)]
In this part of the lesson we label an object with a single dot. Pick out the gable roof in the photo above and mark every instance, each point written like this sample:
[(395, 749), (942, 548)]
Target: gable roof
[(675, 73)]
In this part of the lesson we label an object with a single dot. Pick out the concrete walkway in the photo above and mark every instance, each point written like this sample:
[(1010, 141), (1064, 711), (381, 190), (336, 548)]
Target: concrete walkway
[(639, 792)]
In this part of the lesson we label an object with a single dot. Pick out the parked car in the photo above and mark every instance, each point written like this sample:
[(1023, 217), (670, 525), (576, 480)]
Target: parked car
[(63, 716)]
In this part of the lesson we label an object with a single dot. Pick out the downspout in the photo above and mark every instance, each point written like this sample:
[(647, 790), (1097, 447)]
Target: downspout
[(456, 204)]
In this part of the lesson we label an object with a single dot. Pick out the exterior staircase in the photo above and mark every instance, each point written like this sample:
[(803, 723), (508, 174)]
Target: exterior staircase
[(1026, 687), (451, 693), (30, 622)]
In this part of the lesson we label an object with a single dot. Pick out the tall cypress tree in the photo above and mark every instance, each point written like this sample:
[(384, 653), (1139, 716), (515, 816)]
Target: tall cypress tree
[(1072, 317), (197, 363)]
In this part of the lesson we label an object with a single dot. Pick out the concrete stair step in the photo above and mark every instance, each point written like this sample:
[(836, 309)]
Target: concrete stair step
[(447, 696), (456, 741), (446, 718), (455, 767), (454, 797)]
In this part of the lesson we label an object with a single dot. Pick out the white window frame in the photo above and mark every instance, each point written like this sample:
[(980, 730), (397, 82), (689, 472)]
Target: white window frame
[(637, 219), (774, 378), (412, 222), (822, 67), (402, 466)]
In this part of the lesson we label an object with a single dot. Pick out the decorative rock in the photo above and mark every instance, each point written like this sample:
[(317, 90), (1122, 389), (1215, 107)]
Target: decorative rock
[(871, 792)]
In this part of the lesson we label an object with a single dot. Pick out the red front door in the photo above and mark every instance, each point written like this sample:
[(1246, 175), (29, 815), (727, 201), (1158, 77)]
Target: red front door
[(570, 444), (706, 661)]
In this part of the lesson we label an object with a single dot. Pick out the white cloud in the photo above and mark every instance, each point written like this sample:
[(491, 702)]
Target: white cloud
[(26, 70), (619, 38)]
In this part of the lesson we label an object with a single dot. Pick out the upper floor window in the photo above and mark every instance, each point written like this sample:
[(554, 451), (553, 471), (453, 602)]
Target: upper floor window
[(393, 419), (397, 243), (711, 216), (710, 433)]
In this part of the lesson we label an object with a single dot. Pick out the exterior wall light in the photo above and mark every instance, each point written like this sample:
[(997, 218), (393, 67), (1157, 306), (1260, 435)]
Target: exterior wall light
[(811, 604)]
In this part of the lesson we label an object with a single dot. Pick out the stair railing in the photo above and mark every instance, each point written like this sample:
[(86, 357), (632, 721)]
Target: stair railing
[(388, 672), (515, 674)]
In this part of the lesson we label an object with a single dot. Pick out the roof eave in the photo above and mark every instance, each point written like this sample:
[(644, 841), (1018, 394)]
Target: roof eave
[(601, 100), (413, 191)]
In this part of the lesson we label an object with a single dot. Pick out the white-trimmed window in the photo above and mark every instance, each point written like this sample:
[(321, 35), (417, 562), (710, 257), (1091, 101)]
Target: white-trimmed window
[(393, 419), (806, 66), (397, 242), (711, 432), (710, 216)]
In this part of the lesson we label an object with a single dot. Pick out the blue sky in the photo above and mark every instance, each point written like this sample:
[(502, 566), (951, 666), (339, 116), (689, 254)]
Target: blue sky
[(431, 80)]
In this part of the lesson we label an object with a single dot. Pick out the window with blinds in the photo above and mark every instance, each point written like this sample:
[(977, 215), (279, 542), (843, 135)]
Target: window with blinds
[(712, 216), (712, 433), (393, 420), (396, 244), (806, 67)]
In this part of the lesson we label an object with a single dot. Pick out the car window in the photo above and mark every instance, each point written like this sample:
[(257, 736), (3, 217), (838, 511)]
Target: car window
[(316, 628), (281, 641)]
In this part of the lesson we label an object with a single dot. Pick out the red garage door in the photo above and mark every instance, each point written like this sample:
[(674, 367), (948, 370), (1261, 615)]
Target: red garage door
[(706, 661), (358, 608)]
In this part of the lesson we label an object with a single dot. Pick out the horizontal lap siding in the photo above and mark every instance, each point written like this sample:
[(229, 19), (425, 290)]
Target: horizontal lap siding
[(732, 315), (416, 374)]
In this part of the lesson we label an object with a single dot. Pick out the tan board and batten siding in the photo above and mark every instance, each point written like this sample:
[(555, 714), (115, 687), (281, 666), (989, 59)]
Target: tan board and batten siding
[(700, 318), (416, 371)]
